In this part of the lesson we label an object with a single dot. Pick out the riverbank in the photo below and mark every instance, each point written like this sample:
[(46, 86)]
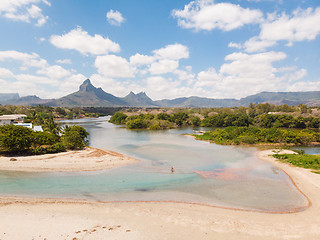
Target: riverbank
[(89, 159), (70, 219)]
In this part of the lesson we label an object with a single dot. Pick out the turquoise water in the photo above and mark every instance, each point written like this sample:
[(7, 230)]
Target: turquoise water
[(204, 173)]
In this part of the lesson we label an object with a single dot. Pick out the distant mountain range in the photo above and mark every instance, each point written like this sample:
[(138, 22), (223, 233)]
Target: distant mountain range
[(90, 96)]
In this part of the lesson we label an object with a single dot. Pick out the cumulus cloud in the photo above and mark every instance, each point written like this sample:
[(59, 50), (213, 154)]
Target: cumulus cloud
[(41, 78), (207, 15), (209, 77), (79, 40), (23, 10), (173, 52), (115, 18), (114, 66), (5, 73), (55, 72), (139, 59), (64, 61), (163, 66), (301, 25), (245, 74)]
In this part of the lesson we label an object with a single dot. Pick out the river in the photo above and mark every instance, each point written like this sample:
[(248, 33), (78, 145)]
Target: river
[(205, 173)]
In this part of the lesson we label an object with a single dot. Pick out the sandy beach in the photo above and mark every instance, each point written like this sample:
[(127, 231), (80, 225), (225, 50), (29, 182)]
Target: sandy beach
[(89, 159), (23, 218)]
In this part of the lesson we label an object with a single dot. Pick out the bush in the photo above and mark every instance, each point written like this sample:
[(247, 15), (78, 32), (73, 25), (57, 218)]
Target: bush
[(137, 124), (15, 138), (44, 138), (74, 137), (118, 118)]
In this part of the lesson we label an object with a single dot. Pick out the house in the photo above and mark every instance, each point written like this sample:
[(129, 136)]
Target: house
[(11, 119), (28, 125)]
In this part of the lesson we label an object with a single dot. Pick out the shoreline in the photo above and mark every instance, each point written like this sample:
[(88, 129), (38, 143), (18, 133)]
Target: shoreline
[(158, 220), (88, 159)]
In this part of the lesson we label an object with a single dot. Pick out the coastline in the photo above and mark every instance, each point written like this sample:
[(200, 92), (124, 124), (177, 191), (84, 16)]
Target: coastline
[(89, 159), (77, 219)]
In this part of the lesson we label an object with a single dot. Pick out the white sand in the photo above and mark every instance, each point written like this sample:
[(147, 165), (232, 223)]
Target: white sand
[(90, 159), (63, 219)]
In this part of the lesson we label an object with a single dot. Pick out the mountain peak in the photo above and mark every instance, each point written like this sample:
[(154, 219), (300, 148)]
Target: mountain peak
[(86, 86)]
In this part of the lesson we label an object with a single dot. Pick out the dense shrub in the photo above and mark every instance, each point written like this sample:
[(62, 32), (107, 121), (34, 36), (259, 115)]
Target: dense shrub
[(118, 118), (15, 138), (255, 135), (74, 137)]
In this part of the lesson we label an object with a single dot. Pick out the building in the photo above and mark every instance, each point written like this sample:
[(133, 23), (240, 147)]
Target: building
[(27, 125), (11, 119)]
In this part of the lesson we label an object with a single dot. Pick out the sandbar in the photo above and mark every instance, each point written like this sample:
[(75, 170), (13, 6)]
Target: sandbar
[(31, 218), (89, 159)]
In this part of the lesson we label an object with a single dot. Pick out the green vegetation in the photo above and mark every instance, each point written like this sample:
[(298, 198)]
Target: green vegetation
[(22, 140), (74, 137), (257, 135), (301, 160), (261, 115), (155, 121)]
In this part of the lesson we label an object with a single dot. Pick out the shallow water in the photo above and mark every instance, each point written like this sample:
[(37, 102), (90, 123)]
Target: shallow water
[(204, 173)]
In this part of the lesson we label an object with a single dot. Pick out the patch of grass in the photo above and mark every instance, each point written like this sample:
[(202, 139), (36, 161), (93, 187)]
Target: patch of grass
[(301, 160)]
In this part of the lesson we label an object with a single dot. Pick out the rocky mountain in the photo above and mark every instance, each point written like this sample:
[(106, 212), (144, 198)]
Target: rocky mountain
[(139, 100), (90, 96)]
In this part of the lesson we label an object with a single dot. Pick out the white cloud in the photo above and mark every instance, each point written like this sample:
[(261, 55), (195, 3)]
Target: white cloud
[(304, 86), (255, 44), (301, 25), (246, 74), (80, 40), (235, 45), (115, 18), (207, 15), (15, 55), (5, 73), (39, 78), (208, 78), (114, 66), (55, 72), (173, 52), (184, 75), (64, 61), (139, 59), (163, 66), (23, 10)]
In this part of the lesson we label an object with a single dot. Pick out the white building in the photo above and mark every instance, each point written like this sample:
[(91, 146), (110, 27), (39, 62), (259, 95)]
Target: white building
[(11, 119)]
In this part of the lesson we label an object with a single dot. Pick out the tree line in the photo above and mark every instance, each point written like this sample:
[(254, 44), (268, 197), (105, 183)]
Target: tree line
[(256, 135), (254, 115)]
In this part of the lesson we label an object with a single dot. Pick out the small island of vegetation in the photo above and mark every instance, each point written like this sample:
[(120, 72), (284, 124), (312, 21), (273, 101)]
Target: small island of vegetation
[(256, 124), (301, 160)]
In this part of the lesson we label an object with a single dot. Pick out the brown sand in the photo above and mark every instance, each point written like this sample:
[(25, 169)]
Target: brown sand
[(90, 159), (67, 219)]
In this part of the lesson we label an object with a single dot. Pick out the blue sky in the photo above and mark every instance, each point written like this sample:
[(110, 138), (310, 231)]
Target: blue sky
[(167, 48)]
